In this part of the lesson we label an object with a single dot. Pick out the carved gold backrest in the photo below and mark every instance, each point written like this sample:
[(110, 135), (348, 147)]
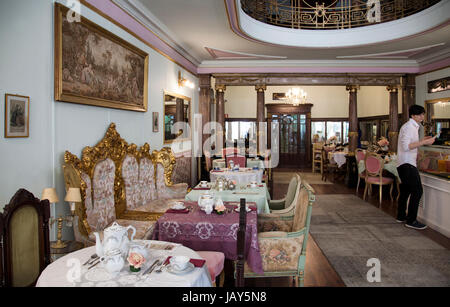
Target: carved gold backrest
[(166, 157), (114, 147)]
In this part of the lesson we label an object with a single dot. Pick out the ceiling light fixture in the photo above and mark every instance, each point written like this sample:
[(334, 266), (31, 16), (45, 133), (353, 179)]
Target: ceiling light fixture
[(296, 96), (184, 82)]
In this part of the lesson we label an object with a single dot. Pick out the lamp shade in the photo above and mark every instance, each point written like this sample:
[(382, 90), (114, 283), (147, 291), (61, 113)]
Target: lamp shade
[(50, 194), (73, 195)]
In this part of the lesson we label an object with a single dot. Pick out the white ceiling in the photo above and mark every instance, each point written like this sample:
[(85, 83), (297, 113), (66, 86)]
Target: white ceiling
[(190, 26)]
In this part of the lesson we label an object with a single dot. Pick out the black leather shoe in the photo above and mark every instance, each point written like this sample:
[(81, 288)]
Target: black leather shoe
[(416, 225)]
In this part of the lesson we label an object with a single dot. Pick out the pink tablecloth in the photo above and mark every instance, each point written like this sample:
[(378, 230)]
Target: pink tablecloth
[(211, 232)]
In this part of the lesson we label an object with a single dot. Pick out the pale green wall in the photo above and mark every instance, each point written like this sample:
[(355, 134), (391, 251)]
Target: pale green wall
[(26, 65)]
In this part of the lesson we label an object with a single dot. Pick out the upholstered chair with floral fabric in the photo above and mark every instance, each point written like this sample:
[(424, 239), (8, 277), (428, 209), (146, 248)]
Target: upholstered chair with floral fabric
[(283, 240), (286, 206)]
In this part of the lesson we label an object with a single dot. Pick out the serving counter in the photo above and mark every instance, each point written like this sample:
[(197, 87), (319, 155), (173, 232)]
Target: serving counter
[(434, 167)]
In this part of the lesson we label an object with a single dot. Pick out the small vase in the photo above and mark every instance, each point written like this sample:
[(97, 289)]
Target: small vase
[(133, 269)]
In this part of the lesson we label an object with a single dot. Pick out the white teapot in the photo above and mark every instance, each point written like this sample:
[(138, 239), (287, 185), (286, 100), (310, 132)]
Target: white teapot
[(205, 200), (115, 237), (113, 261)]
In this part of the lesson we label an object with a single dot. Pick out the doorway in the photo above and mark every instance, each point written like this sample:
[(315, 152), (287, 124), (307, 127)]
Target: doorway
[(294, 134)]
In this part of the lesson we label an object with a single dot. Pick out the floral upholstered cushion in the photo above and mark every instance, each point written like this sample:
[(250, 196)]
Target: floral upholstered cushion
[(130, 175), (182, 169), (103, 186), (157, 205), (178, 190), (272, 222), (147, 180), (278, 252)]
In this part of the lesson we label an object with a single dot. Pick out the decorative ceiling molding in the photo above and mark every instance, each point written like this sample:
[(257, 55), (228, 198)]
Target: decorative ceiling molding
[(219, 54), (151, 22), (307, 79), (253, 30), (400, 54)]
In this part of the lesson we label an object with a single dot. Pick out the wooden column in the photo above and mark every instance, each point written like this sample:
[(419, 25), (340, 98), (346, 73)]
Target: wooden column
[(352, 118), (260, 109), (393, 117), (408, 95), (205, 103), (220, 110)]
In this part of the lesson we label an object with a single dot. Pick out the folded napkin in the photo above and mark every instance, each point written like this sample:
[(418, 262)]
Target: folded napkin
[(201, 188), (198, 263), (186, 210), (216, 171)]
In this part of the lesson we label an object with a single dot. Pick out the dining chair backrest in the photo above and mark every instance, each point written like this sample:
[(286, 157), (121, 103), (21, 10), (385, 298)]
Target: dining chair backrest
[(237, 159), (26, 240), (239, 282), (360, 155), (373, 164)]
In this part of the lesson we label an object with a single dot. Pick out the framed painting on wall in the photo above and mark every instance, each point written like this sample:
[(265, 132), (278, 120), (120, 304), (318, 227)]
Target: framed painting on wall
[(155, 122), (95, 67), (17, 116)]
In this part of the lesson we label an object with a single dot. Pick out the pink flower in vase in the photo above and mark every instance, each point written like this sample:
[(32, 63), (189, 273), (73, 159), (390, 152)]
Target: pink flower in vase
[(136, 260)]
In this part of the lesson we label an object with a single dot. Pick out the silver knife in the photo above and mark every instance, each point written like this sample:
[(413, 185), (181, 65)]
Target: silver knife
[(151, 267)]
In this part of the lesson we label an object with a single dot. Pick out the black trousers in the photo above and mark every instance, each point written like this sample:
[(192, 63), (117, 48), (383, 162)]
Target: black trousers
[(411, 187)]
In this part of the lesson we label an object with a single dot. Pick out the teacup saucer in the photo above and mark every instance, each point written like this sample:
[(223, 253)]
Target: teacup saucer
[(173, 270), (178, 206), (238, 209)]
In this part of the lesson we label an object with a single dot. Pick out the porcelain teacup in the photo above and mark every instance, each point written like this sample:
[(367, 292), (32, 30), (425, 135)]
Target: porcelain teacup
[(253, 184), (179, 262), (204, 184), (178, 205)]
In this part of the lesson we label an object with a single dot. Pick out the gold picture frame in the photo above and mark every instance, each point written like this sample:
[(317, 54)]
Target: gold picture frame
[(17, 116), (96, 67)]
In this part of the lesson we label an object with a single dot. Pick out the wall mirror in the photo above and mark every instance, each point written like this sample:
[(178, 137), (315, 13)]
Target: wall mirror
[(177, 117), (438, 118)]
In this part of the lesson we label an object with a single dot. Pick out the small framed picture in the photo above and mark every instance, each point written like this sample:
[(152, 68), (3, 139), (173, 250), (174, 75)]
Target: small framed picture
[(155, 122), (17, 116)]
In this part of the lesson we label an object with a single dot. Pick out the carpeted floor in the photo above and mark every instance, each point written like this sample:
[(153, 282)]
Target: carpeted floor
[(350, 231), (311, 178)]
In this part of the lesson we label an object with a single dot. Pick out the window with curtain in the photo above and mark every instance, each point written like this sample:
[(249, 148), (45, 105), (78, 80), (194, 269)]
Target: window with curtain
[(334, 129), (240, 130), (318, 131)]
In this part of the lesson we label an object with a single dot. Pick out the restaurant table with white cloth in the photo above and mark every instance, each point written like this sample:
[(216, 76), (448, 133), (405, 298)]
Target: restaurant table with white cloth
[(251, 162), (241, 176), (65, 272), (259, 194), (338, 157)]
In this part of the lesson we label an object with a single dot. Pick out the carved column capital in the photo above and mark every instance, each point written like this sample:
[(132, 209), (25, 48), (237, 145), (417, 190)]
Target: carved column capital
[(221, 88), (260, 87), (352, 88), (392, 88)]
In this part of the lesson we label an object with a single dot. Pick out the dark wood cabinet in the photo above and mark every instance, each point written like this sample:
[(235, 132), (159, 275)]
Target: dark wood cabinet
[(294, 138)]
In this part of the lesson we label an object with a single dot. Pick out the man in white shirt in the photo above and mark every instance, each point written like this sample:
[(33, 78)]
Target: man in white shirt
[(411, 186)]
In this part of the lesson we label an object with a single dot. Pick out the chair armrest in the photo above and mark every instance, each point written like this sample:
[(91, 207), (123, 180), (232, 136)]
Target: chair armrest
[(277, 204)]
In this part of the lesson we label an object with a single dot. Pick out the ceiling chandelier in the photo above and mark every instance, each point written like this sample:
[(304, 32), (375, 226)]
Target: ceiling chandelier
[(296, 96)]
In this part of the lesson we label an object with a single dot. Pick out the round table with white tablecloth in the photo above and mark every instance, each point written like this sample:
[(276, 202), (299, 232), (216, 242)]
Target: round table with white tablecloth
[(241, 176), (69, 270)]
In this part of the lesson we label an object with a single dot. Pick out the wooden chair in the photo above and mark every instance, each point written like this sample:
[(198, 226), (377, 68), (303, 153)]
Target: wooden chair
[(359, 155), (283, 247), (317, 157), (240, 262), (374, 174), (26, 239), (328, 168)]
